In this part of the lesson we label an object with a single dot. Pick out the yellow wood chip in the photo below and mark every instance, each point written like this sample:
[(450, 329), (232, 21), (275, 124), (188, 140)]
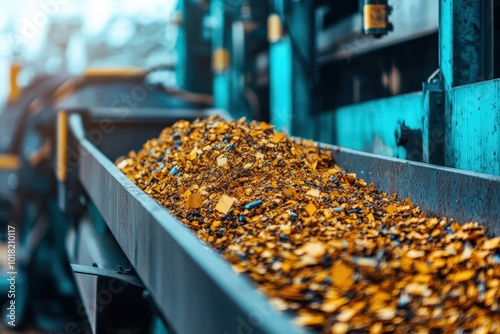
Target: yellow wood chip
[(376, 328), (348, 313), (342, 275), (194, 201), (215, 224), (311, 209), (265, 126), (340, 328), (491, 244), (333, 305), (415, 254), (462, 276), (314, 249), (391, 209), (410, 203), (313, 192), (225, 204), (278, 137), (221, 160), (309, 319)]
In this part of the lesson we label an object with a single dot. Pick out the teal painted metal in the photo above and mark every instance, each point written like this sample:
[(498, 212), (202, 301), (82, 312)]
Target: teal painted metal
[(446, 43), (371, 126), (465, 41), (473, 136), (326, 128), (459, 125), (470, 112), (474, 131), (293, 72), (280, 76), (193, 52), (433, 122), (181, 48), (222, 81), (221, 91)]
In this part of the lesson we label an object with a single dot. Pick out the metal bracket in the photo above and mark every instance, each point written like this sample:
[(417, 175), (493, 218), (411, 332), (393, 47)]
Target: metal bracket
[(411, 140), (95, 271), (433, 123)]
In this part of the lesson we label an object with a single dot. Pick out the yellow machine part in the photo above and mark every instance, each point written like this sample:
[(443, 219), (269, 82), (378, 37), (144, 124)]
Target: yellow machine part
[(15, 91), (274, 28), (9, 162), (113, 72), (62, 140), (375, 16), (221, 60)]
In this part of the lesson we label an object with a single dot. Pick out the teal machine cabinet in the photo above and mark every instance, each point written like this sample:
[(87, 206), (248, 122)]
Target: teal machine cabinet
[(454, 120)]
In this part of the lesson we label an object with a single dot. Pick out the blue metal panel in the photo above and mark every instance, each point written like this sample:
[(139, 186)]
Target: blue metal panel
[(466, 41), (221, 84), (370, 126), (221, 91), (474, 133), (280, 76), (326, 130), (446, 42)]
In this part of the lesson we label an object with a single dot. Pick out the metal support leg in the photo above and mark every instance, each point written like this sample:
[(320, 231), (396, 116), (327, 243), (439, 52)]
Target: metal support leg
[(221, 58), (294, 80), (466, 41), (466, 57), (433, 126)]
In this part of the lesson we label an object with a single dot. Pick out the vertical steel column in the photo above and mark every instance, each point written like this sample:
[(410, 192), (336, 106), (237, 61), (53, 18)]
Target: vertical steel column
[(465, 57), (280, 70), (192, 50), (293, 74), (220, 56), (302, 32), (466, 41)]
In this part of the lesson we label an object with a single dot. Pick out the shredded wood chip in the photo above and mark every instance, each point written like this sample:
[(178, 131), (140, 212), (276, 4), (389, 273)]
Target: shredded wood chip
[(323, 244), (225, 203), (194, 201)]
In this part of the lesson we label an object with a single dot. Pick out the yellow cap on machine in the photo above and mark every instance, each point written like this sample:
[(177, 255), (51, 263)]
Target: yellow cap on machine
[(274, 28), (14, 89)]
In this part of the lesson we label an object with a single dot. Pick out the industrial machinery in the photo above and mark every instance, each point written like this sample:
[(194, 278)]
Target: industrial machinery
[(410, 101)]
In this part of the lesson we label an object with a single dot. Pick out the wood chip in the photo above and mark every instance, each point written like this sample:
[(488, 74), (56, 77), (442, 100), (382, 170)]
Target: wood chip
[(225, 203), (194, 201)]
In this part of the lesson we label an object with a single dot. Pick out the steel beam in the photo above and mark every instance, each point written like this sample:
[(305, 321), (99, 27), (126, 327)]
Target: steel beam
[(466, 57), (293, 73), (465, 41)]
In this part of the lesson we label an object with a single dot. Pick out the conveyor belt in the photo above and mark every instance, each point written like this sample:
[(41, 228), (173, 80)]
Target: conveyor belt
[(196, 290)]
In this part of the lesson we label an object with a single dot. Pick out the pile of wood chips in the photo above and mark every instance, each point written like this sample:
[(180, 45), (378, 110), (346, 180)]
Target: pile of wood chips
[(320, 242)]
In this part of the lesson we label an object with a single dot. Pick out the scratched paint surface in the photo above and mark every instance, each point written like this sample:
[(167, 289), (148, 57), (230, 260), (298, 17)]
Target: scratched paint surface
[(370, 126), (473, 134)]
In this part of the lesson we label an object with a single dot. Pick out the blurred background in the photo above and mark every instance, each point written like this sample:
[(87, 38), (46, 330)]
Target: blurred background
[(66, 36)]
